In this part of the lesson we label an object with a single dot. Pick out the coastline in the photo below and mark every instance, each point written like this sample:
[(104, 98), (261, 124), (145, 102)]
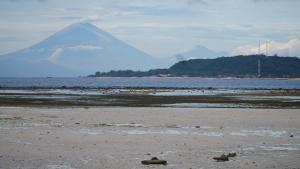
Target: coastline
[(149, 83), (72, 127)]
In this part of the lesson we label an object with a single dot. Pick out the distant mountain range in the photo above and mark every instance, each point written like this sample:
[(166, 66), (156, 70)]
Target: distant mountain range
[(79, 49), (199, 52), (82, 48), (237, 66)]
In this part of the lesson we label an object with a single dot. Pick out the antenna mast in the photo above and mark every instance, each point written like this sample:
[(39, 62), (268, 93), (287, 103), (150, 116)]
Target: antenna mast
[(267, 48), (258, 68), (259, 47)]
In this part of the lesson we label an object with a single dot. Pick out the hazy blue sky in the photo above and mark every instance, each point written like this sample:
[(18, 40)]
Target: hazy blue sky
[(159, 27)]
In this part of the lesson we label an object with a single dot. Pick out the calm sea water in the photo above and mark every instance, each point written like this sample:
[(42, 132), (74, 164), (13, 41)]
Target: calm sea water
[(186, 82)]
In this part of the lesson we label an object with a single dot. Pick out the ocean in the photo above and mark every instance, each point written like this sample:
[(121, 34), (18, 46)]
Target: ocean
[(155, 82)]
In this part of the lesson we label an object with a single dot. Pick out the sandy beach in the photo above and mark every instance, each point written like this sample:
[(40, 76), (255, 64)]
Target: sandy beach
[(73, 138)]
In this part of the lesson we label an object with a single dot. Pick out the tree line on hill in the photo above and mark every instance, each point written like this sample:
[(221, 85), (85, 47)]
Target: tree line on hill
[(236, 66)]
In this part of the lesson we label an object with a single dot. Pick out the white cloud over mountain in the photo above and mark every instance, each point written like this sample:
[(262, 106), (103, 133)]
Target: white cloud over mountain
[(55, 55), (84, 47), (288, 48)]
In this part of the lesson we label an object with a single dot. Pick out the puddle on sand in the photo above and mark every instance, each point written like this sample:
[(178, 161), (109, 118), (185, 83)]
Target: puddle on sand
[(129, 125), (149, 132), (205, 105), (64, 166), (86, 160), (31, 125), (168, 132), (262, 133), (199, 92), (211, 134), (142, 132), (253, 97), (279, 148), (89, 132), (22, 142), (138, 125)]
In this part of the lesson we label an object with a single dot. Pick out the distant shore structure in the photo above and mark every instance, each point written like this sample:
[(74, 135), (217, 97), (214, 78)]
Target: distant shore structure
[(267, 43), (258, 68), (259, 52), (258, 61)]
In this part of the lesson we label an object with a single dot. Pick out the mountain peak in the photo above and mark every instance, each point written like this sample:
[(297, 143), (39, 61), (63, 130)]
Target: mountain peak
[(82, 33), (83, 25), (80, 48), (200, 51)]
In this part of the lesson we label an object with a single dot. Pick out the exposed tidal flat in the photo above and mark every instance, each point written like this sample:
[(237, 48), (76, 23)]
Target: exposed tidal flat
[(75, 127), (122, 137), (151, 97), (151, 91)]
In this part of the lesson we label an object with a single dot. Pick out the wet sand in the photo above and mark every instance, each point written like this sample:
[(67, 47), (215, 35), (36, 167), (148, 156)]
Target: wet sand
[(120, 138)]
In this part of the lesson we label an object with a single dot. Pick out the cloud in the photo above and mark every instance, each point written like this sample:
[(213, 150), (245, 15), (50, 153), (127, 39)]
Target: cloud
[(289, 48), (270, 0), (25, 0), (55, 55), (67, 17), (9, 38), (205, 2), (192, 2), (84, 48), (219, 24)]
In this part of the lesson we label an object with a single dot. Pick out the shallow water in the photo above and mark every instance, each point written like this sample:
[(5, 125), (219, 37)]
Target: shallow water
[(205, 105), (174, 82)]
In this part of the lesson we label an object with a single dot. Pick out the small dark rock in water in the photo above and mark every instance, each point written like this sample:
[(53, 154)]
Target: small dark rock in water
[(154, 160), (197, 127), (77, 123), (231, 155), (291, 135), (222, 158)]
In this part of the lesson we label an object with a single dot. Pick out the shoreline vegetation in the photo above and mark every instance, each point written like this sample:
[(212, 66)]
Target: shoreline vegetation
[(248, 66)]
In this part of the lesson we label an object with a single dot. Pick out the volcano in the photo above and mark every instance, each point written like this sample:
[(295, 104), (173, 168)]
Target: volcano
[(78, 49)]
